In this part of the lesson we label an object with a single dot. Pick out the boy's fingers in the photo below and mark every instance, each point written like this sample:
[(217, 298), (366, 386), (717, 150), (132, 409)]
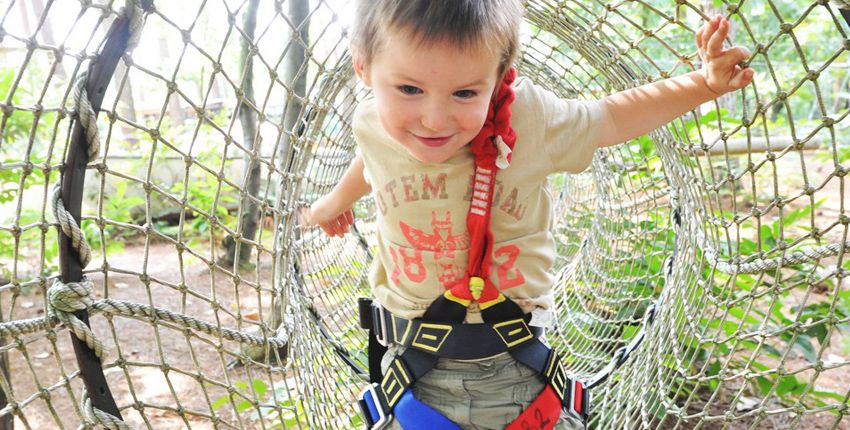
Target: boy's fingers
[(710, 28), (742, 77), (349, 216), (740, 53), (714, 47), (698, 37), (730, 58), (701, 36)]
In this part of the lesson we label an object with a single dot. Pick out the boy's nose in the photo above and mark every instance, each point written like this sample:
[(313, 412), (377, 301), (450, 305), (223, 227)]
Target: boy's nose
[(435, 117)]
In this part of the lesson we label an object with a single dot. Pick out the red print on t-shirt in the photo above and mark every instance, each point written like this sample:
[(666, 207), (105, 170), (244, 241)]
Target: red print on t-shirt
[(443, 243)]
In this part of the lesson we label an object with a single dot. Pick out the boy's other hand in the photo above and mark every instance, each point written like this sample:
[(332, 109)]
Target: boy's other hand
[(333, 224), (338, 226), (720, 65)]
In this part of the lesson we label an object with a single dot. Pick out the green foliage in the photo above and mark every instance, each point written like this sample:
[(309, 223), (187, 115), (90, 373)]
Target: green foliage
[(203, 192), (283, 407), (117, 207), (8, 184), (33, 250), (18, 123)]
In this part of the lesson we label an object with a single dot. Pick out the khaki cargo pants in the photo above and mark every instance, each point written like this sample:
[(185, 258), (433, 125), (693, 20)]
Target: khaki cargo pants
[(486, 394)]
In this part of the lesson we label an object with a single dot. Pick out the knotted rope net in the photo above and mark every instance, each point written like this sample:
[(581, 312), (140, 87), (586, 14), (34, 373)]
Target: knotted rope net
[(166, 283)]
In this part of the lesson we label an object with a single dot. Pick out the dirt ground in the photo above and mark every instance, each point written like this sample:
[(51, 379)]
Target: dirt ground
[(146, 351)]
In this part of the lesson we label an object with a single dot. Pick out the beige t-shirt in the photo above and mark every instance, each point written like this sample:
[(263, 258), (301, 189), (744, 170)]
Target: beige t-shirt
[(421, 207)]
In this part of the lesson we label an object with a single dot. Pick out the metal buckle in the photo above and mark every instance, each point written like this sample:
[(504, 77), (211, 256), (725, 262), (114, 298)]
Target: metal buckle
[(578, 396), (383, 419), (379, 324)]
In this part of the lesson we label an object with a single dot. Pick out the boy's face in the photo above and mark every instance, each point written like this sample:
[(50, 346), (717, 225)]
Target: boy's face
[(431, 98)]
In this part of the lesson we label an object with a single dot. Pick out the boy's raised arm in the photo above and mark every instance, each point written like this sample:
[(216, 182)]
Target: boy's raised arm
[(634, 112), (332, 212)]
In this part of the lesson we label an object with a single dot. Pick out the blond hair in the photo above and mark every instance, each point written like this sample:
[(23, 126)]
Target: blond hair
[(488, 24)]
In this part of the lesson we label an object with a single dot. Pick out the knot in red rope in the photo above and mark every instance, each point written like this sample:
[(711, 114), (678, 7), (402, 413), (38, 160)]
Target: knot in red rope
[(497, 123)]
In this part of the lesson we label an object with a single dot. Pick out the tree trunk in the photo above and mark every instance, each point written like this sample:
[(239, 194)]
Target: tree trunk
[(175, 112), (295, 75), (47, 35), (249, 209), (126, 107)]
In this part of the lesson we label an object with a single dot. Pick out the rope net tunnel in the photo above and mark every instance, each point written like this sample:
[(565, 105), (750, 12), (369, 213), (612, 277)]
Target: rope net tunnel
[(154, 157)]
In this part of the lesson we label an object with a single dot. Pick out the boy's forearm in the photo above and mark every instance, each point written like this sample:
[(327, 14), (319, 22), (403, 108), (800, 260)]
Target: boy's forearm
[(351, 187), (636, 111)]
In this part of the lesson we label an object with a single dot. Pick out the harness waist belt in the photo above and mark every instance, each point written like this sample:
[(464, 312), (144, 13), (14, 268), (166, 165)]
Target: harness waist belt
[(455, 341)]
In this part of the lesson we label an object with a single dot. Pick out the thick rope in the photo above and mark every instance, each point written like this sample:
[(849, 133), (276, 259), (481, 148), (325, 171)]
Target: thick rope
[(64, 299), (762, 264), (96, 416), (70, 228), (154, 314), (87, 115), (28, 326)]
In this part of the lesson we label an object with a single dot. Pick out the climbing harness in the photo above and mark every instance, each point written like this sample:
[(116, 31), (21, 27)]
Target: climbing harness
[(441, 331)]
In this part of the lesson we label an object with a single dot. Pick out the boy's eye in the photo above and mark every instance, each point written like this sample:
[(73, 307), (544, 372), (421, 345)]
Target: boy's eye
[(409, 90), (465, 94)]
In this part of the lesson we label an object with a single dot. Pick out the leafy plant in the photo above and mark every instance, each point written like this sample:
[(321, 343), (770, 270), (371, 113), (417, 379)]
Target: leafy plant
[(286, 413), (203, 192)]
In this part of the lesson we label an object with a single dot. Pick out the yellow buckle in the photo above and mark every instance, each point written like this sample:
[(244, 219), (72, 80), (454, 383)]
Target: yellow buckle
[(431, 336), (513, 332), (476, 286)]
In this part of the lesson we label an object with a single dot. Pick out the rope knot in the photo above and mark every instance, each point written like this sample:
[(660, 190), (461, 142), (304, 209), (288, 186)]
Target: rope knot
[(65, 299), (70, 297)]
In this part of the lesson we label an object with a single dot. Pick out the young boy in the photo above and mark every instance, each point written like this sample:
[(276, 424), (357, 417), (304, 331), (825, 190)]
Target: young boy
[(445, 98)]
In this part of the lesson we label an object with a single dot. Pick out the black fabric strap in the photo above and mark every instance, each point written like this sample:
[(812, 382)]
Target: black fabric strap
[(376, 352), (456, 341)]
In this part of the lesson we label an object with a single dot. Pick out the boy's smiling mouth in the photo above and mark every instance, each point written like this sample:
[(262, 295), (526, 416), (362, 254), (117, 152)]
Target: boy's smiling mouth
[(434, 142)]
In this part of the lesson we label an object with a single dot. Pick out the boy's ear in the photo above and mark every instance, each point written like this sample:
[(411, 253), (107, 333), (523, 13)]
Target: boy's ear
[(360, 69)]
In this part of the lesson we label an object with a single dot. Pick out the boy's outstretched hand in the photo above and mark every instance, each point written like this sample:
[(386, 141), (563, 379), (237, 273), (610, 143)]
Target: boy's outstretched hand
[(331, 222), (720, 65)]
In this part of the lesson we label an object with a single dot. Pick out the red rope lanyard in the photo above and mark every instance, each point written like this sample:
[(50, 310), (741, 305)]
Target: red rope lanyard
[(487, 148)]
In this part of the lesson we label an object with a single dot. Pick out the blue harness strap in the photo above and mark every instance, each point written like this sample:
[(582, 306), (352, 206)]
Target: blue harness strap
[(415, 415), (410, 412)]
